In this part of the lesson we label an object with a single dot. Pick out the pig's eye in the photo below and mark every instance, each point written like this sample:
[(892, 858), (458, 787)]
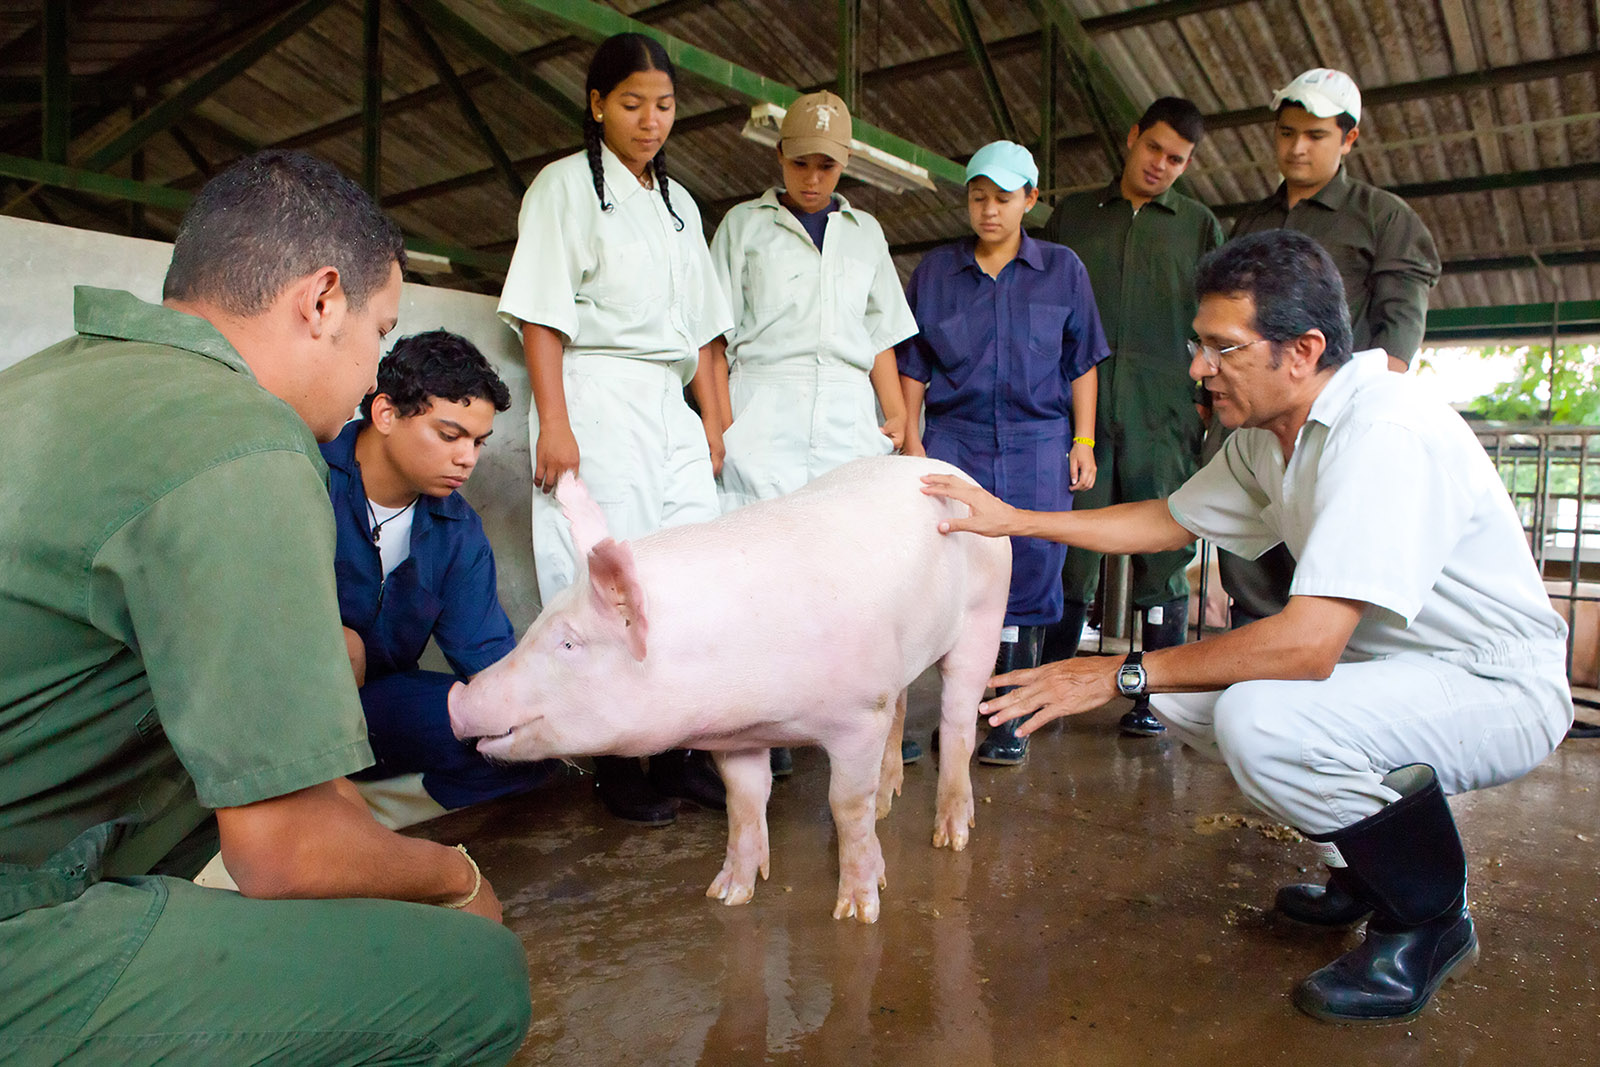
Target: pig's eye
[(567, 645)]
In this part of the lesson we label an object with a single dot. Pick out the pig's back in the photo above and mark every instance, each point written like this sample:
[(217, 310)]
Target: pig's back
[(853, 554)]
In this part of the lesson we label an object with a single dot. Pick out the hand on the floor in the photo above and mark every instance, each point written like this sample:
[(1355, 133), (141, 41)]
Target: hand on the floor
[(486, 903), (1069, 687), (990, 516)]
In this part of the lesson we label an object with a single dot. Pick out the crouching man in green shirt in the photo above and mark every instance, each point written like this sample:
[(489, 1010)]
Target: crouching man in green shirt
[(170, 647)]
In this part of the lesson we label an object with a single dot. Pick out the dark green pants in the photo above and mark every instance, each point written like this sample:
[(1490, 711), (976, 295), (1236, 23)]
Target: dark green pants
[(159, 970), (1128, 472)]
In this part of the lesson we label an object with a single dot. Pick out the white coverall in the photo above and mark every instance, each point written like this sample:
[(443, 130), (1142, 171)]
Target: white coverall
[(634, 298), (807, 326)]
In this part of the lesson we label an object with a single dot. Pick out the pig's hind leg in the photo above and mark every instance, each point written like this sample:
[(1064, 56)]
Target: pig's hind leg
[(747, 775), (964, 672), (855, 761), (892, 772)]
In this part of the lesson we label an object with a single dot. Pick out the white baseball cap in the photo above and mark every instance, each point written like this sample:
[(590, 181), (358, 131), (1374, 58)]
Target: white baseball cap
[(1323, 92)]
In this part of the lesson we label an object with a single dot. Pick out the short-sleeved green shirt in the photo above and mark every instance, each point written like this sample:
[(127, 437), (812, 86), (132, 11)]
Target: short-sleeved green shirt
[(1142, 266), (1383, 250), (169, 630)]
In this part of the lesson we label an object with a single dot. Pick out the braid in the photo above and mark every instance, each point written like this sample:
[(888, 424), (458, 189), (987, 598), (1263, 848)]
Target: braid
[(658, 168), (591, 142)]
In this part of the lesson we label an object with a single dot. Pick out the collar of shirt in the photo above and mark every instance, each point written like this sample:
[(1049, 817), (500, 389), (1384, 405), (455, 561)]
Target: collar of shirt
[(621, 182), (341, 456), (1362, 368), (769, 199), (1113, 193), (1331, 196), (121, 315), (1028, 251)]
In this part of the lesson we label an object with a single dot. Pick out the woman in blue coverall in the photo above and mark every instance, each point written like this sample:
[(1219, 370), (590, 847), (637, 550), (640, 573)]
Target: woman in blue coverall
[(1005, 363)]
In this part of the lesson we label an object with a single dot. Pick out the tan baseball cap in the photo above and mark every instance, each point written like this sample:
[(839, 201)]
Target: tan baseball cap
[(817, 123)]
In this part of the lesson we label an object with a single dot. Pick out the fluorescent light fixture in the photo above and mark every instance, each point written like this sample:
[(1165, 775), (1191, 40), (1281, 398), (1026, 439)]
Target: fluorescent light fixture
[(427, 262), (870, 164)]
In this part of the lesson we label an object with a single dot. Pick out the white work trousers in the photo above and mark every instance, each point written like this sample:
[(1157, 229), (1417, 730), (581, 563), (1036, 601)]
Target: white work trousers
[(642, 454), (795, 423), (1313, 754)]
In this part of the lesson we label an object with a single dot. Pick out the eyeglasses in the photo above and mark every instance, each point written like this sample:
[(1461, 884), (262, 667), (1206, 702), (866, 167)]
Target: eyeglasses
[(1211, 356)]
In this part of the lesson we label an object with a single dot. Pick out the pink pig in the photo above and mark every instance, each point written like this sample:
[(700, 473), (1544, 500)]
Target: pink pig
[(793, 621)]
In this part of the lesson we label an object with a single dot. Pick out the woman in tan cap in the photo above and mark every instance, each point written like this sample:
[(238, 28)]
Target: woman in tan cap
[(817, 310)]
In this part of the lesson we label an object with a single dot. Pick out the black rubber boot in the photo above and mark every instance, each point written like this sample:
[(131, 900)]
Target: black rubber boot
[(1330, 905), (1003, 748), (689, 774), (1408, 863), (627, 795), (1167, 630), (910, 751), (782, 762), (1061, 638)]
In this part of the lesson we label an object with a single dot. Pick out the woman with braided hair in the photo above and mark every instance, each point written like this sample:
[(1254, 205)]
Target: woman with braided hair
[(612, 289)]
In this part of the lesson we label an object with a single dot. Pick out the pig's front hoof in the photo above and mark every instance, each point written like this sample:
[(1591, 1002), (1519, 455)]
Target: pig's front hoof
[(861, 905), (952, 830), (730, 887)]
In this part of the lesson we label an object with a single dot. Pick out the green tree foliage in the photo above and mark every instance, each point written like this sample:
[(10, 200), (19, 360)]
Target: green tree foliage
[(1576, 397)]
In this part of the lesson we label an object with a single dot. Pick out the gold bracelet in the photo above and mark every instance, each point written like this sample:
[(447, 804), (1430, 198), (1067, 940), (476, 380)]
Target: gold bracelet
[(1083, 441), (477, 880)]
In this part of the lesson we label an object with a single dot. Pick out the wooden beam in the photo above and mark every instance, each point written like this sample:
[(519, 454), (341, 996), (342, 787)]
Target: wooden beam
[(167, 198), (507, 63), (464, 102), (182, 102), (56, 91), (371, 94), (972, 40)]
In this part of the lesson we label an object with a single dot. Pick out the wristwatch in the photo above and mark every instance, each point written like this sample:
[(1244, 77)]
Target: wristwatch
[(1131, 679)]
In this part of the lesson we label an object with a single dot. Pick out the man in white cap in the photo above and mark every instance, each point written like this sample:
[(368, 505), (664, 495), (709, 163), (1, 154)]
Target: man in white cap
[(1385, 255)]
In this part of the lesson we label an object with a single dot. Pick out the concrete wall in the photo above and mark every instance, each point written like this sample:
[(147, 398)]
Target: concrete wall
[(44, 262)]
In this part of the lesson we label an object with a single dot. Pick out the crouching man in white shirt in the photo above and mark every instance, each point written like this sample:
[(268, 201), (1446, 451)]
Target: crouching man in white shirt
[(1418, 655)]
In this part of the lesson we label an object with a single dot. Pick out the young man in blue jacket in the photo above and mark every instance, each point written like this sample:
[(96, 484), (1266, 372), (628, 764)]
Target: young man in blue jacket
[(412, 563)]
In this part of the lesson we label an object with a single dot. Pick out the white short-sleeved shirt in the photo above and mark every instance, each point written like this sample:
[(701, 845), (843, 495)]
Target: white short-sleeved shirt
[(625, 282), (789, 302), (1388, 498)]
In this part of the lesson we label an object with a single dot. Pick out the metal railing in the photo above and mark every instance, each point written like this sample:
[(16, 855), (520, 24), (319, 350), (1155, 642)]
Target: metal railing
[(1553, 476)]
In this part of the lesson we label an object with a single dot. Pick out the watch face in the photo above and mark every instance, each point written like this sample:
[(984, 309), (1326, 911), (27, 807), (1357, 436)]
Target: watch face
[(1130, 678)]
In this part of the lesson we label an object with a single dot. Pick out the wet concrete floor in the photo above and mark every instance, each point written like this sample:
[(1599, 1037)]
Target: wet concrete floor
[(1111, 909)]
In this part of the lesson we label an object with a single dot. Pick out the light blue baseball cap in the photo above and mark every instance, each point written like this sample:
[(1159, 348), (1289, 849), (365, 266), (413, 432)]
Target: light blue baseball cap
[(1006, 163)]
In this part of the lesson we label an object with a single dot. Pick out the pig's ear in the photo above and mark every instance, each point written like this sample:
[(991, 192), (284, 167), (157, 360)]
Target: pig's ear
[(587, 520), (617, 594)]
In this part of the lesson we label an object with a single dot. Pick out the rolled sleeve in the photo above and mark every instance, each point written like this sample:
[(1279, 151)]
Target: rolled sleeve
[(889, 318), (1393, 560), (227, 583), (548, 264), (712, 317), (914, 356), (1225, 504), (472, 630), (727, 265), (1084, 344)]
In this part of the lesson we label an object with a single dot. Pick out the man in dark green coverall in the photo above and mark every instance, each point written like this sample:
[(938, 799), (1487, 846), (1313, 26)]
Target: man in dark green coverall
[(1385, 255), (170, 648), (1141, 241)]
